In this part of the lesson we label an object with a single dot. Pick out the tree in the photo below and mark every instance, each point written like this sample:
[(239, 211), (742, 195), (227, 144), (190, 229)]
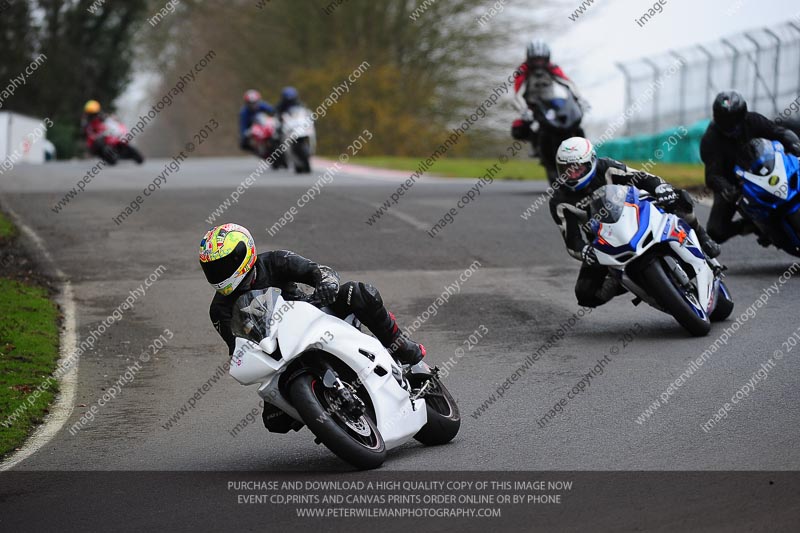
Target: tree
[(88, 50), (421, 70)]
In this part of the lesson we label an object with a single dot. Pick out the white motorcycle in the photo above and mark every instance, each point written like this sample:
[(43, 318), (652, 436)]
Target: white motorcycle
[(317, 370), (297, 129), (657, 257)]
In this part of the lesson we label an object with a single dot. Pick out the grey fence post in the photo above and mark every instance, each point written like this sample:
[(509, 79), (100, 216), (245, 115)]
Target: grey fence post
[(711, 91), (656, 93), (735, 68), (682, 95), (775, 69), (628, 95)]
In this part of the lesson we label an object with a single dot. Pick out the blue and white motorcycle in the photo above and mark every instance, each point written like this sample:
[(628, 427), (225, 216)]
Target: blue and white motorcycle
[(771, 193), (657, 257)]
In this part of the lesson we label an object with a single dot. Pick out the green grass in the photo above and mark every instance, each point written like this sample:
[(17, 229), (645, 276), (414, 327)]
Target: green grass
[(7, 229), (28, 355), (680, 175)]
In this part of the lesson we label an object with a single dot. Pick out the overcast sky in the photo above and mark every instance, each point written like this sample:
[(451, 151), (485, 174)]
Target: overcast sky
[(607, 33)]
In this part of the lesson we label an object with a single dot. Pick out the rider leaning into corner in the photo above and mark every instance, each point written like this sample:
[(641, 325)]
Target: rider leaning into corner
[(92, 125), (534, 80), (581, 173), (725, 139), (253, 104), (229, 260)]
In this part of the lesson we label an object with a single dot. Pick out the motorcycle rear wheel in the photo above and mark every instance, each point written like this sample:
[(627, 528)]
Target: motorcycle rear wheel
[(134, 154), (672, 298), (357, 442), (302, 155)]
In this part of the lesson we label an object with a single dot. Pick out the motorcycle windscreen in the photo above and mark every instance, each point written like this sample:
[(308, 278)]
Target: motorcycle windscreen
[(262, 119), (254, 314), (608, 203), (758, 157)]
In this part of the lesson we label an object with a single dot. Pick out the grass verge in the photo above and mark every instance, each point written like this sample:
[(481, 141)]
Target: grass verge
[(680, 175), (7, 229), (28, 349)]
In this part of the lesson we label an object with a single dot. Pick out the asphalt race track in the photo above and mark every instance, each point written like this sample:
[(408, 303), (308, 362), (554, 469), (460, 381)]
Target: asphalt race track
[(517, 297)]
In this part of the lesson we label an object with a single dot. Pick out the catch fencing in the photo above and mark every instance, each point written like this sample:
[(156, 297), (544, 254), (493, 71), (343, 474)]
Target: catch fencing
[(763, 65)]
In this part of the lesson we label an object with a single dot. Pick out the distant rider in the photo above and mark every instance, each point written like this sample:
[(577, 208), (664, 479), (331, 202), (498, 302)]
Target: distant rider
[(289, 99), (581, 173), (92, 126), (228, 259), (725, 139), (534, 80), (253, 104)]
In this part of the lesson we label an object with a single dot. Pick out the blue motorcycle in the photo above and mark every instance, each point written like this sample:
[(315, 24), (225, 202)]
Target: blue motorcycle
[(771, 193)]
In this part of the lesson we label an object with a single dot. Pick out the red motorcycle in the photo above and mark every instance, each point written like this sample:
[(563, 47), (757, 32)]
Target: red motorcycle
[(265, 139), (109, 142)]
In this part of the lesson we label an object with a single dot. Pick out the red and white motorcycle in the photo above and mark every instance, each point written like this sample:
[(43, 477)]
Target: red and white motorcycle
[(265, 140), (111, 143)]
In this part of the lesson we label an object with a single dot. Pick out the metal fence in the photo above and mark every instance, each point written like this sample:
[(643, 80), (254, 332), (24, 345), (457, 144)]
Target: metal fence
[(678, 88)]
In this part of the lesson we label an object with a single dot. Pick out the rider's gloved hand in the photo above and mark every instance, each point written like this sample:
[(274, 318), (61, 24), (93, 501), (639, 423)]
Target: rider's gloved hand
[(794, 149), (666, 195), (527, 116), (588, 256), (327, 291)]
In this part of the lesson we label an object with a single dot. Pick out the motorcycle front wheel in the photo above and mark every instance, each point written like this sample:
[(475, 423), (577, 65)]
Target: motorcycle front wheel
[(444, 420), (356, 441), (674, 299), (724, 306), (108, 155)]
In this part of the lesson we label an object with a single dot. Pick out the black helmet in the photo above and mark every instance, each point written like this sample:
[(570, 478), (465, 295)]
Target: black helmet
[(730, 110), (537, 53)]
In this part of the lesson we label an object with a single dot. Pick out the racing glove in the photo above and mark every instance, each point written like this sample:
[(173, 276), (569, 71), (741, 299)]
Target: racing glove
[(666, 195), (327, 290), (588, 256), (794, 149)]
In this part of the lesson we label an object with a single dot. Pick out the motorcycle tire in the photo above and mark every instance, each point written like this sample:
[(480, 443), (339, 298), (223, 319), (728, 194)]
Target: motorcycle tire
[(302, 154), (135, 154), (108, 155), (666, 292), (794, 223), (444, 420), (307, 394), (724, 306)]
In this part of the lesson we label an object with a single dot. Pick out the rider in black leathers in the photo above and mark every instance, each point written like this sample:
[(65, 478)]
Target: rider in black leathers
[(580, 174), (284, 270), (725, 139)]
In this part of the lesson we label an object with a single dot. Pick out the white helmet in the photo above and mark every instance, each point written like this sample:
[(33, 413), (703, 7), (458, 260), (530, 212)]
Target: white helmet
[(576, 161)]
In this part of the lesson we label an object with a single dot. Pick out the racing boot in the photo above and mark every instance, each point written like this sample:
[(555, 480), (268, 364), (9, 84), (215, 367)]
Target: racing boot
[(399, 345), (709, 245), (610, 288)]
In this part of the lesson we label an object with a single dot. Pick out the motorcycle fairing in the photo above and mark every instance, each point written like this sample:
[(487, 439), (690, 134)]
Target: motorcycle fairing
[(302, 328), (640, 226)]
